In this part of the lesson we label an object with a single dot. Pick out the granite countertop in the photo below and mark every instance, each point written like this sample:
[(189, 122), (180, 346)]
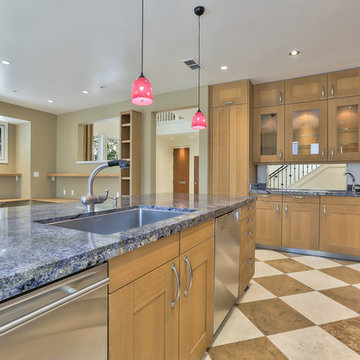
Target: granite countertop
[(261, 189), (33, 254)]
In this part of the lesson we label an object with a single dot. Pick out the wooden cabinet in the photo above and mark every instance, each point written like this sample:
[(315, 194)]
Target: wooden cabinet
[(344, 129), (268, 220), (269, 134), (344, 83), (306, 132), (340, 225), (305, 89), (232, 93), (196, 300), (269, 94), (300, 222)]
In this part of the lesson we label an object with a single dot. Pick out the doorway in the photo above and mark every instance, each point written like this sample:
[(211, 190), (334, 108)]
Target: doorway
[(181, 170)]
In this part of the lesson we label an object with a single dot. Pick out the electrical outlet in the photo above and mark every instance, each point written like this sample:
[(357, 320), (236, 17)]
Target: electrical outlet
[(64, 192), (72, 192), (36, 174)]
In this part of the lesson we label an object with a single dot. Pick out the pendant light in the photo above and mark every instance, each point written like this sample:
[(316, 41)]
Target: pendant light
[(141, 93), (199, 119)]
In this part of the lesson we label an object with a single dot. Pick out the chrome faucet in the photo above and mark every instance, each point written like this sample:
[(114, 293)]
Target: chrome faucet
[(90, 199), (354, 187)]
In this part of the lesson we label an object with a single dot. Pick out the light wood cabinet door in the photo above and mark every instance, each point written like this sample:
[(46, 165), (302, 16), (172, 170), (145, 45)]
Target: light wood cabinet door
[(306, 132), (340, 229), (269, 134), (220, 141), (269, 94), (344, 129), (143, 324), (196, 300), (268, 222), (247, 255), (309, 88), (344, 83), (232, 93), (300, 225)]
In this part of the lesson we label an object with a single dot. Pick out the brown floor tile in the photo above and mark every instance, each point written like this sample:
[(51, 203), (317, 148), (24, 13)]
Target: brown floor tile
[(282, 285), (344, 273), (344, 262), (260, 348), (274, 316), (347, 295), (288, 265), (257, 259), (347, 331), (289, 254)]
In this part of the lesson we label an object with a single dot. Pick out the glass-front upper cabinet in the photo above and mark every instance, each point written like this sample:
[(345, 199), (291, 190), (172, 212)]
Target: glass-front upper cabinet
[(306, 131), (269, 134), (344, 129)]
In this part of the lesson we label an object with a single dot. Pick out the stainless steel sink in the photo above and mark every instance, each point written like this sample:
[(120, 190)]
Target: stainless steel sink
[(114, 222)]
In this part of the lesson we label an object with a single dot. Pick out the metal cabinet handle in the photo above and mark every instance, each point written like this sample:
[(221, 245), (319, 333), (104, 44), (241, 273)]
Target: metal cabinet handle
[(286, 208), (322, 91), (332, 90), (250, 261), (250, 220), (228, 102), (299, 197), (281, 154), (324, 211), (278, 208), (250, 207), (280, 97), (264, 196), (332, 153), (191, 275), (250, 232), (322, 153), (173, 268)]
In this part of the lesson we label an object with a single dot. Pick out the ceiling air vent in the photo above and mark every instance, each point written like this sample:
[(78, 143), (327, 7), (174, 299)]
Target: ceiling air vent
[(191, 63)]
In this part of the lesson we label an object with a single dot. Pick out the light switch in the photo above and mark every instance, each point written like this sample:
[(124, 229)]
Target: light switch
[(36, 174)]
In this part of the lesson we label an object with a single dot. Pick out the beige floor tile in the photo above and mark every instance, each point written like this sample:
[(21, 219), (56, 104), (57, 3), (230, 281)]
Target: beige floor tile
[(237, 328), (262, 269), (317, 280), (206, 356), (289, 254), (316, 262), (264, 255), (319, 308), (254, 349), (312, 343), (254, 293), (354, 266), (357, 285)]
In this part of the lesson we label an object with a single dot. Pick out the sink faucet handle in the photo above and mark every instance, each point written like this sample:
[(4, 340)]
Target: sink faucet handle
[(106, 194), (124, 164)]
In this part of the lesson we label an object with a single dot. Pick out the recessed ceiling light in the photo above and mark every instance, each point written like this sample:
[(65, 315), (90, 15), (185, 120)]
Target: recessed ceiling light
[(85, 92), (50, 101), (223, 67), (6, 62), (294, 52), (103, 87)]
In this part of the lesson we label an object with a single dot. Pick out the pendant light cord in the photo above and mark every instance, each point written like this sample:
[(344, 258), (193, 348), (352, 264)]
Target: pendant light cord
[(199, 65), (142, 38)]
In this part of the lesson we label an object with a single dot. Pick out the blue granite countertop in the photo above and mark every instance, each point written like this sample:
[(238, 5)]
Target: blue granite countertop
[(261, 189), (33, 254)]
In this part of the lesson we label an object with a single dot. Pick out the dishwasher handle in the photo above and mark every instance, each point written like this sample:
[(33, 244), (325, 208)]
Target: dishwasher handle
[(34, 314)]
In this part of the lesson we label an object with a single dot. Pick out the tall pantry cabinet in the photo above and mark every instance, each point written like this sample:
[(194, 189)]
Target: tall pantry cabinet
[(230, 136)]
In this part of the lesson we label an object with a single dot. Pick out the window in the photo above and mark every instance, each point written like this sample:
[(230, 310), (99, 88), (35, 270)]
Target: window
[(3, 142), (112, 148), (105, 147)]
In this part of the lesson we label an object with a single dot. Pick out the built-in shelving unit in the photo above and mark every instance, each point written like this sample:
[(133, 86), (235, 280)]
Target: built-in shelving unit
[(130, 150)]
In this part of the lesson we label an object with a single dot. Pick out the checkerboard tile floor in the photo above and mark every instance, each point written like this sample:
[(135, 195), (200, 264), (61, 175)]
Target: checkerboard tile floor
[(297, 307)]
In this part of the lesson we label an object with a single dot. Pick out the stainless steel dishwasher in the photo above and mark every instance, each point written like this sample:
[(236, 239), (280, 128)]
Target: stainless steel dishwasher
[(227, 264), (64, 320)]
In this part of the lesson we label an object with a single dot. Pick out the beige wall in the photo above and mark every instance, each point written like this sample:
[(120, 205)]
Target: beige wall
[(43, 146), (67, 138), (23, 158)]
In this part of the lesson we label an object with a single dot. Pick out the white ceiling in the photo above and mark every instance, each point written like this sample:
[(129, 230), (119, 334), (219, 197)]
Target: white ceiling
[(59, 48)]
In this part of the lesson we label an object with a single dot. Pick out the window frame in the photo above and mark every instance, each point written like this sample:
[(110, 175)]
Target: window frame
[(5, 142)]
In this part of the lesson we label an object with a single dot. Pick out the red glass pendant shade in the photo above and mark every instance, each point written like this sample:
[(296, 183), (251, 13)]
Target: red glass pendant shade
[(198, 121), (141, 93)]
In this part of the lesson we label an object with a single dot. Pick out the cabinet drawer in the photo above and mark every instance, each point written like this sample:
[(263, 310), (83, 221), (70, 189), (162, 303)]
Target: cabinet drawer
[(268, 197), (248, 212), (270, 94), (340, 200), (232, 93), (309, 88), (196, 235), (344, 83), (308, 199), (128, 267)]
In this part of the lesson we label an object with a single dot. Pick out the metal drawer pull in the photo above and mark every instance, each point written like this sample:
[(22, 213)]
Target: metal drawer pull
[(324, 211), (228, 102), (191, 275), (264, 196), (173, 268), (281, 154), (250, 232), (286, 208), (250, 207), (277, 208), (332, 91), (322, 91), (250, 261), (299, 197), (250, 220), (280, 98)]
